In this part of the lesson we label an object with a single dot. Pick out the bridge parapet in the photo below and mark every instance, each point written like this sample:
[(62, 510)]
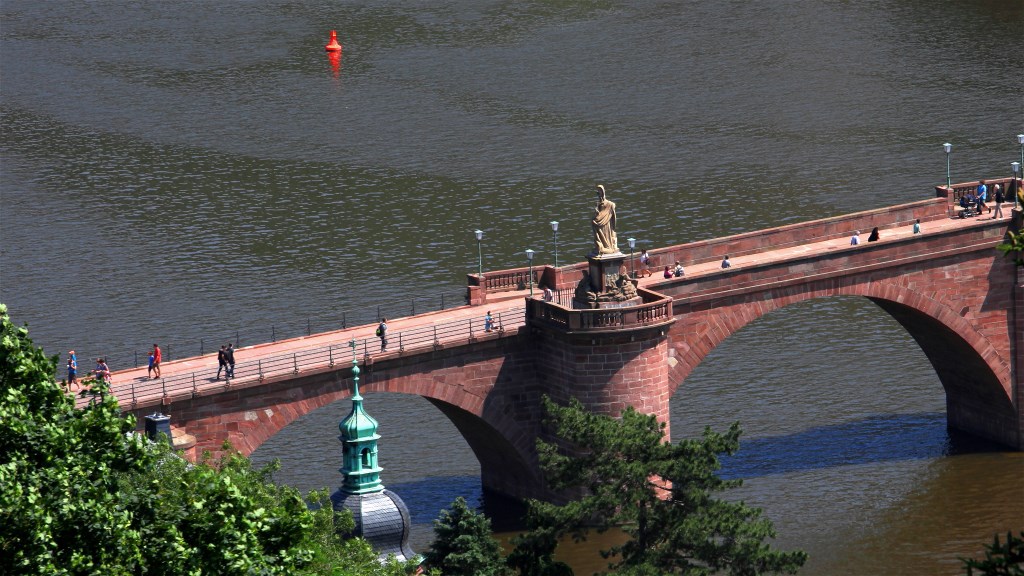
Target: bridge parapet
[(736, 245), (656, 310)]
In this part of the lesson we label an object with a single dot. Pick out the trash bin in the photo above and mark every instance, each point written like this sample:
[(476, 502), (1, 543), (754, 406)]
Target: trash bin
[(157, 423)]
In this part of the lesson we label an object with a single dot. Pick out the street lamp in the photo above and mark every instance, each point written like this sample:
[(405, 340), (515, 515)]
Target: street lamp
[(479, 254), (529, 257), (1016, 185), (554, 232), (632, 244), (948, 148), (1016, 191)]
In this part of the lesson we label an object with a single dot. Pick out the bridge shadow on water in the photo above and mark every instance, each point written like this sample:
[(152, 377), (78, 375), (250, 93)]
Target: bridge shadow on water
[(871, 440)]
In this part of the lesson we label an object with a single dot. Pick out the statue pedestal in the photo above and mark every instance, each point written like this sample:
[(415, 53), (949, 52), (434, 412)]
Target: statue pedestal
[(604, 269), (601, 277)]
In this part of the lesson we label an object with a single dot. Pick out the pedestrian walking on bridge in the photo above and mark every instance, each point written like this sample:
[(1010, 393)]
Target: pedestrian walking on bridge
[(229, 357), (222, 361), (382, 333)]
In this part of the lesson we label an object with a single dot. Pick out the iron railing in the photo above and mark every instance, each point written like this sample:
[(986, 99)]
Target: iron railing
[(273, 331), (182, 385)]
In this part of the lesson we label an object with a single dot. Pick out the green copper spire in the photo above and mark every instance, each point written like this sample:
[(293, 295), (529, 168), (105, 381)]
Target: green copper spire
[(359, 443)]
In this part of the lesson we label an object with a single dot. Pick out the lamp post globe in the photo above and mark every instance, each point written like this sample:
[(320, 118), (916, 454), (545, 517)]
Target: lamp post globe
[(948, 148), (554, 232), (529, 257), (632, 245), (479, 254)]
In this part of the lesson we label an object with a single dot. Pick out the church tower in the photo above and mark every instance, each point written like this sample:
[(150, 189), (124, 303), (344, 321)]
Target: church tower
[(380, 515)]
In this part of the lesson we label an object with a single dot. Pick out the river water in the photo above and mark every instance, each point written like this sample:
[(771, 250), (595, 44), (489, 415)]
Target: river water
[(192, 172)]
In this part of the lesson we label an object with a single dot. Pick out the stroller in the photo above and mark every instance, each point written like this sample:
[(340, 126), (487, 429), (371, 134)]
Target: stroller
[(968, 208)]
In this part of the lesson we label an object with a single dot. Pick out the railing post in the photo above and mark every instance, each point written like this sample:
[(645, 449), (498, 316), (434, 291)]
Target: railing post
[(295, 364), (309, 327), (401, 347), (136, 352), (200, 346), (163, 386), (273, 334), (259, 367), (344, 321), (435, 336), (330, 355), (168, 352), (413, 306), (442, 300), (378, 312), (133, 392), (236, 338), (194, 388)]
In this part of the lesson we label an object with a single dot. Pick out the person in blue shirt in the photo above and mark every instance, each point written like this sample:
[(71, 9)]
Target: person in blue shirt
[(982, 197), (488, 322), (725, 262)]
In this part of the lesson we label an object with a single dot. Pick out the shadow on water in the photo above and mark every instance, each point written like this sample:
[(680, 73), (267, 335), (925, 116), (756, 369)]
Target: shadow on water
[(882, 438)]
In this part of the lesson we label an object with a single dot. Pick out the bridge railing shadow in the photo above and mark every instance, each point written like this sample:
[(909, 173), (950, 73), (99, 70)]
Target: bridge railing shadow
[(140, 392)]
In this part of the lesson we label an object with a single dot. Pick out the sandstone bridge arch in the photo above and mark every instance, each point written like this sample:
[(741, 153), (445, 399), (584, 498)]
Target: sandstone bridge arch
[(956, 296)]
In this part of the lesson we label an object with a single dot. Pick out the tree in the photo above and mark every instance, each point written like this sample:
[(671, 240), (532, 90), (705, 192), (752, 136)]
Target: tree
[(81, 493), (463, 545), (1000, 559), (1013, 247), (623, 474), (57, 477)]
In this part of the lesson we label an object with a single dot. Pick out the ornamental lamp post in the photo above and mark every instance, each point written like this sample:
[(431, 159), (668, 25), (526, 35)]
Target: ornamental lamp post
[(554, 232), (479, 255), (1020, 140), (632, 245), (529, 258), (948, 148), (1016, 184)]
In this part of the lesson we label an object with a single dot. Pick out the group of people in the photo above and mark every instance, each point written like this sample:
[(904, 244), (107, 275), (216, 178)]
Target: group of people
[(873, 237), (226, 361), (976, 201), (100, 372)]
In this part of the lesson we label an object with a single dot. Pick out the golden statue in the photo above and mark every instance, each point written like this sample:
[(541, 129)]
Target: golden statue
[(603, 223)]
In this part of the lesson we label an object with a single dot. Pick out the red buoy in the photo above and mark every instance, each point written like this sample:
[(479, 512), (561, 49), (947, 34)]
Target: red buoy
[(333, 45)]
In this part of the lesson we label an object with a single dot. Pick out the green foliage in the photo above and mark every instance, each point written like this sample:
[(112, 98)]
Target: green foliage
[(463, 545), (534, 551), (59, 508), (661, 495), (1001, 559), (1013, 247), (80, 493)]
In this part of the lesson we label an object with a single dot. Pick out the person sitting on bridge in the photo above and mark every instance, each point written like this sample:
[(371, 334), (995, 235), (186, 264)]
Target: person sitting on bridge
[(668, 272), (725, 262), (678, 271), (855, 239), (874, 235), (549, 296)]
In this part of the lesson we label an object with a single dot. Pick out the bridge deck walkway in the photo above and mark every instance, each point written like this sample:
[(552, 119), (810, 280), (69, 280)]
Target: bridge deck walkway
[(130, 383)]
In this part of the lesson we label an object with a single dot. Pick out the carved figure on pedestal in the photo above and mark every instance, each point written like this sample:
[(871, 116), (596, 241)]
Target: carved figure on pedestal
[(584, 293), (603, 224)]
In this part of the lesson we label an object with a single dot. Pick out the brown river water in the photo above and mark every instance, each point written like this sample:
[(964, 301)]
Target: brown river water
[(193, 172)]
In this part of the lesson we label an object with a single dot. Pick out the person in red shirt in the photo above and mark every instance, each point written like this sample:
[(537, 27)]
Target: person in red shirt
[(156, 360)]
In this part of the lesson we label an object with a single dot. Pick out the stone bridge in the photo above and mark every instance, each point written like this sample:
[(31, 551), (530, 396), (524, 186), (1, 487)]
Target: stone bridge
[(960, 299)]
